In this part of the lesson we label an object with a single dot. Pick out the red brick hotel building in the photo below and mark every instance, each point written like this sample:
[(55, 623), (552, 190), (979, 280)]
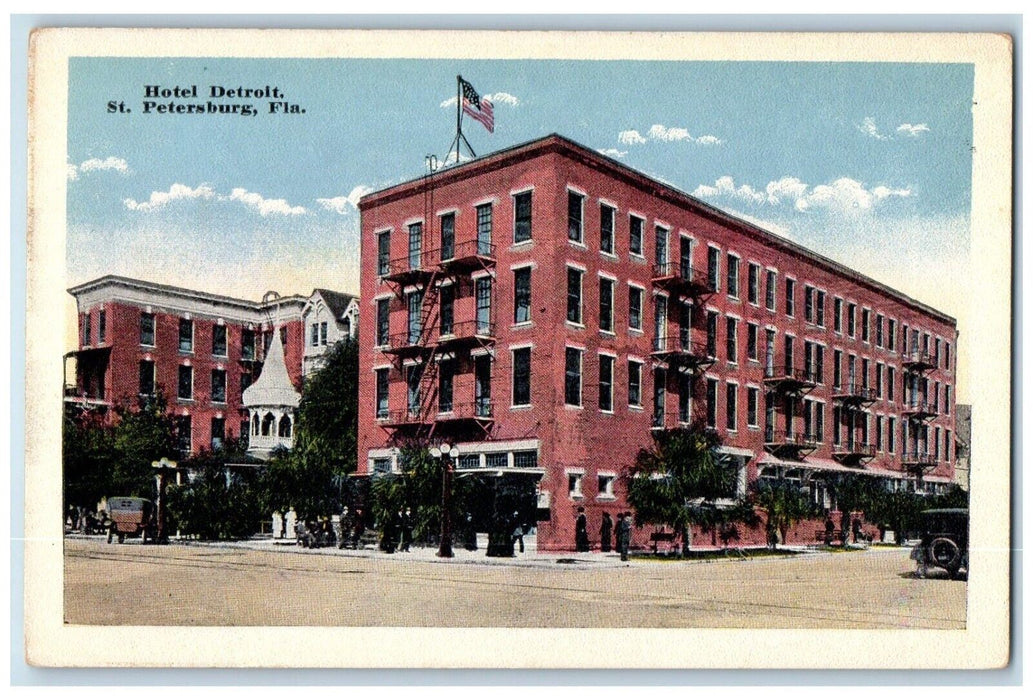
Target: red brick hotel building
[(546, 308)]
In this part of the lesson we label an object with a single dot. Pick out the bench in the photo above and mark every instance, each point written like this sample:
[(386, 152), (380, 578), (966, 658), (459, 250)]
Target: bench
[(657, 537), (821, 535)]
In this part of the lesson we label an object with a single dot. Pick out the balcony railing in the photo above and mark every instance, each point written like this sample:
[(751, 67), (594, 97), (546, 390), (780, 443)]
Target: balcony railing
[(920, 410), (464, 256), (789, 379), (679, 348), (784, 439), (411, 268), (459, 333), (476, 410), (407, 343), (853, 451), (917, 459), (919, 360), (682, 278), (854, 393)]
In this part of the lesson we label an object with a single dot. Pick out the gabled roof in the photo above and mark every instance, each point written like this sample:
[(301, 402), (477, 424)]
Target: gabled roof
[(337, 302)]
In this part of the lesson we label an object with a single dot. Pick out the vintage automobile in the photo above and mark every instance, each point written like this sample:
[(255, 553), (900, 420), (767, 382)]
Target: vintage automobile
[(944, 541), (131, 517)]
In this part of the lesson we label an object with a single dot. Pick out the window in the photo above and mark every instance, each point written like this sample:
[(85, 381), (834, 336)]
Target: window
[(283, 335), (448, 236), (147, 329), (102, 326), (635, 308), (482, 385), (574, 480), (820, 309), (733, 276), (522, 295), (790, 360), (878, 380), (484, 229), (711, 403), (245, 382), (186, 335), (525, 459), (851, 312), (769, 293), (731, 394), (218, 432), (819, 421), (575, 216), (247, 344), (147, 377), (606, 482), (383, 322), (790, 297), (384, 253), (382, 393), (819, 365), (634, 383), (522, 217), (947, 399), (86, 331), (659, 322), (183, 433), (659, 397), (635, 227), (946, 354), (684, 397), (753, 284), (605, 383), (414, 305), (522, 377), (837, 315), (572, 383), (891, 335), (606, 304), (751, 341), (415, 245), (482, 292), (891, 434), (878, 330), (218, 386), (864, 372), (661, 249), (890, 381), (808, 303), (712, 334), (186, 382), (446, 316), (413, 375), (607, 216), (314, 335), (751, 407), (574, 277), (865, 314), (382, 465), (946, 445), (837, 423), (446, 373), (731, 340), (714, 268), (837, 368)]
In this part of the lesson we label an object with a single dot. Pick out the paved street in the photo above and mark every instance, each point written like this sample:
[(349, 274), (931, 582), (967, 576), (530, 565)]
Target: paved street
[(263, 583)]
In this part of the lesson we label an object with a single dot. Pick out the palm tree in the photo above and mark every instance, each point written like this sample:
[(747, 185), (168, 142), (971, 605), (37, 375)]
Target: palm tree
[(680, 481), (784, 504)]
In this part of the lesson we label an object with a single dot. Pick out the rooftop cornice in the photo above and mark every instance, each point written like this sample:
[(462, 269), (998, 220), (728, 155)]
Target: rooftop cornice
[(554, 143), (116, 281)]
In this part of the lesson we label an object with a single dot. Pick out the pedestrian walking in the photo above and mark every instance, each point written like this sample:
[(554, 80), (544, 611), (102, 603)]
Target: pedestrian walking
[(470, 533), (359, 528), (624, 534), (581, 531), (605, 532), (856, 528), (405, 525), (518, 531)]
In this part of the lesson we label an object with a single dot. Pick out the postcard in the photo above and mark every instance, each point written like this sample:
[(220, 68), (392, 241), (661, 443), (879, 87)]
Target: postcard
[(471, 349)]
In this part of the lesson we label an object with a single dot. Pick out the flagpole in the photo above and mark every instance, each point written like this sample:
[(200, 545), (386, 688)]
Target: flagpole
[(459, 113)]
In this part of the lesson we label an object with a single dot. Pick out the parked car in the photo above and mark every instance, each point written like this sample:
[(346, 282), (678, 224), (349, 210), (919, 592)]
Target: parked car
[(131, 517), (944, 542)]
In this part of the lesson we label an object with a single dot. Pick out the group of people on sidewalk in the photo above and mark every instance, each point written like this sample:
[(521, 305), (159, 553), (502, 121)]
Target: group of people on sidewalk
[(606, 531)]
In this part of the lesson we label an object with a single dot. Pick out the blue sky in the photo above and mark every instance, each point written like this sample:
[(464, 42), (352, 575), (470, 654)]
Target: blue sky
[(869, 164)]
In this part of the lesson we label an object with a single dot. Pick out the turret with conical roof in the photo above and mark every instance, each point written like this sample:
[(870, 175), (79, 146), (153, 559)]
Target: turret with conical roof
[(270, 403)]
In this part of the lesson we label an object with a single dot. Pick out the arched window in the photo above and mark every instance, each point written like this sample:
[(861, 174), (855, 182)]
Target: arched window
[(267, 424), (285, 427), (254, 424)]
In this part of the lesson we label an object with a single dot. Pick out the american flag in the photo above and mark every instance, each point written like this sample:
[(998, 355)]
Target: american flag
[(479, 108)]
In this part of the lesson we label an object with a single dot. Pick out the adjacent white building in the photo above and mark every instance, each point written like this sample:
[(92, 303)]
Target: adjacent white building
[(328, 316)]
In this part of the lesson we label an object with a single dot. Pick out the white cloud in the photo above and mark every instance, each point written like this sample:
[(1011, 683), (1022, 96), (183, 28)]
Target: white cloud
[(177, 192), (345, 203), (613, 152), (496, 98), (659, 132), (630, 137), (90, 165), (912, 130), (868, 127), (842, 195), (264, 206), (501, 98), (665, 134)]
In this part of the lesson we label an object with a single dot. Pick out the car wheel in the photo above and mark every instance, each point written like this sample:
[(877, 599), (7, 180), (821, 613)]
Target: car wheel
[(945, 553)]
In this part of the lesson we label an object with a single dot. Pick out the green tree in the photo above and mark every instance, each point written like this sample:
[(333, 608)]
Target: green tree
[(292, 479), (88, 451), (784, 505), (218, 503), (853, 492), (328, 414), (678, 482), (898, 511), (141, 437)]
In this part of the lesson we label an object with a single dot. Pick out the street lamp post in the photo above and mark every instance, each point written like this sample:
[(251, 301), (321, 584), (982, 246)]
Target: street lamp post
[(164, 468), (448, 455)]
